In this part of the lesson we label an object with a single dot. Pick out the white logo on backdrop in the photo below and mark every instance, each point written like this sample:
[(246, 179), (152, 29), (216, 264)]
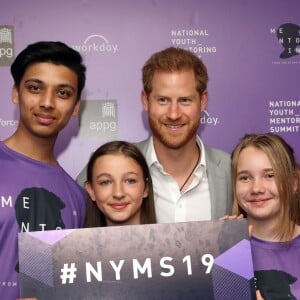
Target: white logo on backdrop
[(108, 110), (284, 116), (97, 43), (193, 40), (288, 36), (8, 123), (206, 118), (5, 35), (6, 45), (99, 119)]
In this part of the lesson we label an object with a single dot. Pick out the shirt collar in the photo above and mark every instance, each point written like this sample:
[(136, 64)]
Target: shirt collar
[(152, 158), (151, 154), (200, 170), (202, 149)]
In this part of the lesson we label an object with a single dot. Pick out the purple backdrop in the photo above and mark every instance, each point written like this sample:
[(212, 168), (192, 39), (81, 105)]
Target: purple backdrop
[(251, 88)]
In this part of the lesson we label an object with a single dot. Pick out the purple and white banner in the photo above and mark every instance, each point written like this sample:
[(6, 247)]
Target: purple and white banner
[(193, 260), (251, 49)]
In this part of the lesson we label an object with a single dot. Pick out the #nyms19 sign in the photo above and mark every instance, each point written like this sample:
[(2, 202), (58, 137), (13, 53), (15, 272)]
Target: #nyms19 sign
[(189, 260)]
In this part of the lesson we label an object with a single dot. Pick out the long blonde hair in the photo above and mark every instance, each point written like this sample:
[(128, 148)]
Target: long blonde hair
[(282, 159)]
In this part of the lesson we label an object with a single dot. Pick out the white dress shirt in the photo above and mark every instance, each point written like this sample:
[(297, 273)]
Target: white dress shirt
[(173, 206)]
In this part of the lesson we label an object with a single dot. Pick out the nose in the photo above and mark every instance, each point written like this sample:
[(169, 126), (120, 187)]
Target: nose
[(258, 186), (174, 111), (118, 192), (47, 99)]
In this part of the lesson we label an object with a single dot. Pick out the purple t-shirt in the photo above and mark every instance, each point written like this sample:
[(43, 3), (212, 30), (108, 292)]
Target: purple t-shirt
[(277, 267), (33, 196)]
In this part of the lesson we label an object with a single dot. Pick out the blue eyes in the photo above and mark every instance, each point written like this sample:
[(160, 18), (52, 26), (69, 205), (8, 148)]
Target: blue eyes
[(104, 182), (131, 181), (109, 182), (180, 101)]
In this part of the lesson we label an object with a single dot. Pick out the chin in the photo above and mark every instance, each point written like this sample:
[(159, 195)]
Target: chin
[(123, 221), (173, 143)]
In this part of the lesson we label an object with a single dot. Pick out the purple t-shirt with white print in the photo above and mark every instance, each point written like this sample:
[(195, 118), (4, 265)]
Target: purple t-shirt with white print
[(277, 268), (33, 196)]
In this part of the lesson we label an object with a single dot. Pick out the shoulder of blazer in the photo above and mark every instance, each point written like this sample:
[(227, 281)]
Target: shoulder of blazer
[(216, 156), (143, 145)]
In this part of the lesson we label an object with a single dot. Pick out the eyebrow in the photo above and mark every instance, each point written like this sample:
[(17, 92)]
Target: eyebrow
[(103, 174), (131, 173), (247, 171), (110, 175), (34, 80), (242, 172), (163, 95)]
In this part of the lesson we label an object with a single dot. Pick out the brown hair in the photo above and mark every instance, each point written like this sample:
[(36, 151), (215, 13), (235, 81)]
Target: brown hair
[(94, 217), (174, 59), (282, 159)]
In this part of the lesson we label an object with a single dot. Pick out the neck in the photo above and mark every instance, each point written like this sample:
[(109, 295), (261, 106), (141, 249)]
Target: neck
[(41, 149), (266, 230), (179, 163), (261, 231)]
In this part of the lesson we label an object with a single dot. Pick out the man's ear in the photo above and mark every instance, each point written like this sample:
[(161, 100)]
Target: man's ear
[(145, 101), (204, 100), (15, 95), (76, 108)]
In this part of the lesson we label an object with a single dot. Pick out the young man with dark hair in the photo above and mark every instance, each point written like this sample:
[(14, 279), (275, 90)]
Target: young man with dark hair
[(36, 193)]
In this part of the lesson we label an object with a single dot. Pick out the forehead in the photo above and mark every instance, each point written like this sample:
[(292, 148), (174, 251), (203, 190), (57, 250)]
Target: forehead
[(51, 73), (117, 161), (180, 81), (253, 158), (189, 73)]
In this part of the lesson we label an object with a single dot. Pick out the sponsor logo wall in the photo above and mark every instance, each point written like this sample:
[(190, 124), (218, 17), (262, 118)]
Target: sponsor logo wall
[(251, 49)]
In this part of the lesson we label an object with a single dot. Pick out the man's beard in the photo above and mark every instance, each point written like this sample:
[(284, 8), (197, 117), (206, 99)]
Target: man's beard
[(169, 140)]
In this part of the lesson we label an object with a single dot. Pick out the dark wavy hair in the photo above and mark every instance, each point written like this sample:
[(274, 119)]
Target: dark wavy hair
[(56, 53)]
